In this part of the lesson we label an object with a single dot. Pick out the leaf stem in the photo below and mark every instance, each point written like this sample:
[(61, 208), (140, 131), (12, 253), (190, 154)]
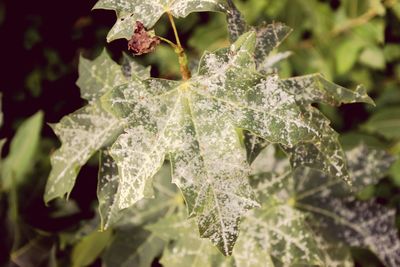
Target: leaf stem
[(183, 61), (174, 46)]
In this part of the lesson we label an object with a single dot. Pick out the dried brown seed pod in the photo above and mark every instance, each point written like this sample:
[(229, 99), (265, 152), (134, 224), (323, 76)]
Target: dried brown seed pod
[(141, 42)]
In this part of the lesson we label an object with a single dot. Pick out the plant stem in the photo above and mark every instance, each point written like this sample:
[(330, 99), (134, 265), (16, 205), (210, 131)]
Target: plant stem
[(174, 46), (183, 61), (361, 20)]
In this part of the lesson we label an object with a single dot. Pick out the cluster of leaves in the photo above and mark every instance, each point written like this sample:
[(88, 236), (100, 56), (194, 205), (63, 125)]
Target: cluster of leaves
[(203, 126)]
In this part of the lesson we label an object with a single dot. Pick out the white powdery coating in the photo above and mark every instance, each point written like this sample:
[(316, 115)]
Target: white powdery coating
[(81, 134), (98, 76), (282, 232), (366, 224), (138, 156), (264, 108), (210, 168)]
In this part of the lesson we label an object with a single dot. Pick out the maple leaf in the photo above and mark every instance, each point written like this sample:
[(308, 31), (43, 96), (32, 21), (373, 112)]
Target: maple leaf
[(195, 123), (333, 208), (271, 236), (149, 12), (323, 151), (87, 130)]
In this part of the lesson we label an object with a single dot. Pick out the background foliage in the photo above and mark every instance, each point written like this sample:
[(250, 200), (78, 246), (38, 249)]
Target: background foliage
[(349, 41)]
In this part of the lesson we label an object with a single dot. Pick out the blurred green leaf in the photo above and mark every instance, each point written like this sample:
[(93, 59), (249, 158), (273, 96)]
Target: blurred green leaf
[(395, 172), (347, 54), (373, 57), (22, 152), (89, 248), (211, 35), (34, 253), (392, 52), (385, 122), (34, 82)]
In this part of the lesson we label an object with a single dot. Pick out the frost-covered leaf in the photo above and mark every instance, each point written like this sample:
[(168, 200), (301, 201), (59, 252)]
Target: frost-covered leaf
[(249, 253), (254, 145), (195, 123), (269, 36), (358, 223), (282, 230), (102, 74), (276, 235), (187, 248), (145, 210), (149, 12), (333, 208), (367, 165), (236, 23), (315, 88), (82, 133), (87, 130), (107, 187), (324, 152), (334, 253)]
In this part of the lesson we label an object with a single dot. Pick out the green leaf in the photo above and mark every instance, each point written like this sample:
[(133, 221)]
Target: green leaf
[(385, 122), (89, 248), (21, 157), (2, 141), (373, 57), (35, 252), (346, 54), (149, 12), (132, 246)]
